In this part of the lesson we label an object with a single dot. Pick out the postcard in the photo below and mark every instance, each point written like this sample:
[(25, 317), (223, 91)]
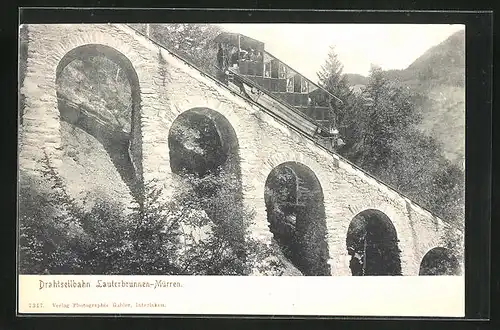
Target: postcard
[(244, 169)]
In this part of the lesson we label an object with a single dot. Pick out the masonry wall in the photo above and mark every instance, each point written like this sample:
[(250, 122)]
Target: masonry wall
[(47, 46), (170, 87)]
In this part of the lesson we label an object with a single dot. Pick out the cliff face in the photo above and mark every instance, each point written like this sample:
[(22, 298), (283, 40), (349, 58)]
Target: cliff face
[(95, 104), (99, 85), (437, 79), (89, 170)]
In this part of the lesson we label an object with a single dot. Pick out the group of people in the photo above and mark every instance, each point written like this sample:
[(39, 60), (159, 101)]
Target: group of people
[(231, 57), (252, 55)]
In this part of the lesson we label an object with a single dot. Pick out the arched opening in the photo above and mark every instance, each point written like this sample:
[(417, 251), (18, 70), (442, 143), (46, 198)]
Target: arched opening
[(296, 215), (204, 152), (98, 95), (372, 243), (439, 261)]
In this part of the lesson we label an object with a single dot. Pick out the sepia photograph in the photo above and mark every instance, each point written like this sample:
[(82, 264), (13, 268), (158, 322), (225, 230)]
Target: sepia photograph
[(247, 150)]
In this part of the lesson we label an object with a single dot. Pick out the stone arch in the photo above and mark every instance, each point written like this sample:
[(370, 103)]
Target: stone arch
[(216, 129), (48, 44), (372, 243), (204, 155), (123, 146), (232, 108), (296, 214), (439, 261), (231, 112), (276, 158)]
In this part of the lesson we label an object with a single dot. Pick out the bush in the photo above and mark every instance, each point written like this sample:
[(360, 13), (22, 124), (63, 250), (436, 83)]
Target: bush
[(156, 238)]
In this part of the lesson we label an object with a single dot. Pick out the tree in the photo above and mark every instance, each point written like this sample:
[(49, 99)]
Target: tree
[(194, 42), (381, 135), (331, 76), (448, 184), (393, 149), (385, 114), (332, 79), (57, 236)]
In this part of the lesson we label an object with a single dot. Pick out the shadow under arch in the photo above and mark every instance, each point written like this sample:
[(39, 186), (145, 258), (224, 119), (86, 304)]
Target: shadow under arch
[(439, 261), (204, 152), (372, 243), (296, 214), (123, 146)]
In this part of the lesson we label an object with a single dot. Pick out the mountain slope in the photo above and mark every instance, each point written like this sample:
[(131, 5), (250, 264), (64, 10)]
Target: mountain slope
[(437, 79), (356, 79)]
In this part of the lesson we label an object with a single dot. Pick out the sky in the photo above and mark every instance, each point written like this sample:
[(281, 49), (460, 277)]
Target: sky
[(305, 46)]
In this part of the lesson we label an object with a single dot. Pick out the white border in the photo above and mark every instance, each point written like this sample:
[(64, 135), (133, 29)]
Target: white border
[(400, 296)]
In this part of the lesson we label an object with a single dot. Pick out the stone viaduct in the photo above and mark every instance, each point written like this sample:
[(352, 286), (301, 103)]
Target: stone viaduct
[(260, 139)]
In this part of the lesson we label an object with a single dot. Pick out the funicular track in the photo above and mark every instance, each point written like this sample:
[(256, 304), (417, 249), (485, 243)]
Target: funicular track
[(302, 124), (300, 128)]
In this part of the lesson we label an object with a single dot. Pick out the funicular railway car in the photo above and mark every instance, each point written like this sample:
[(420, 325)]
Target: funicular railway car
[(245, 62)]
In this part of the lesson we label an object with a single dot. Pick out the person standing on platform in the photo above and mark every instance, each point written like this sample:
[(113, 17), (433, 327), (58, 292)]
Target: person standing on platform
[(220, 58)]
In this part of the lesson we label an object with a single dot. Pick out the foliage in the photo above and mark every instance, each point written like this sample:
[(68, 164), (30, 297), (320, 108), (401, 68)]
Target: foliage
[(385, 114), (45, 228), (331, 75), (191, 41), (381, 136), (59, 237), (437, 81), (331, 78)]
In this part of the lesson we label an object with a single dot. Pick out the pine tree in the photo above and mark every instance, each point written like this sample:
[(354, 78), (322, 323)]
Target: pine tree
[(331, 75), (332, 79)]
